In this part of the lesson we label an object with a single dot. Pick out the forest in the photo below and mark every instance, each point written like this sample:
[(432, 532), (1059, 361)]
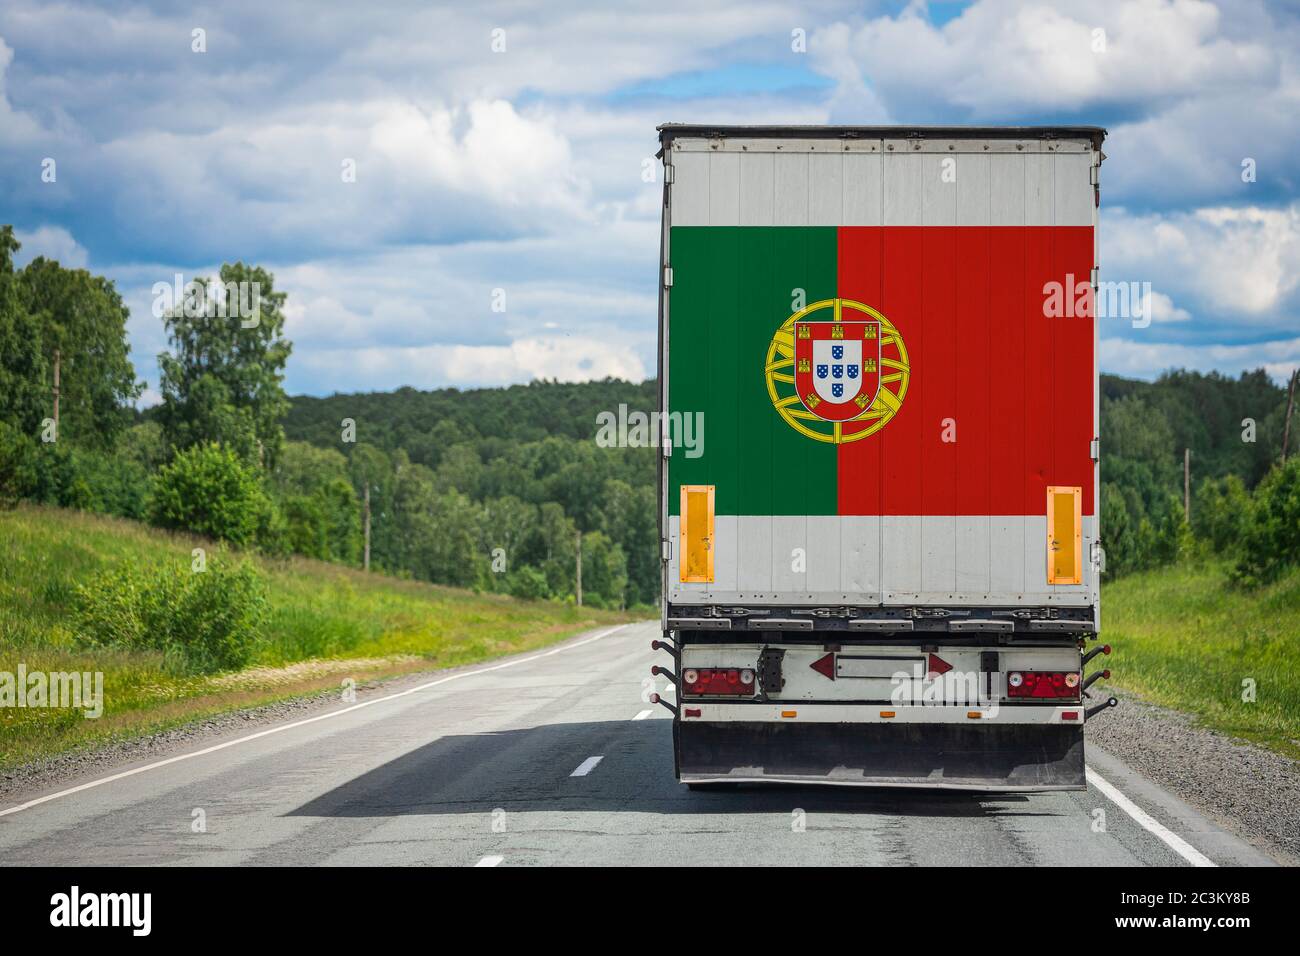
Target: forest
[(498, 489)]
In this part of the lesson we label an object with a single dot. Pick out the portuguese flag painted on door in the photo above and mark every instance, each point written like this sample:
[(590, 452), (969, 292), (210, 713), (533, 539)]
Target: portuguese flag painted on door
[(970, 400)]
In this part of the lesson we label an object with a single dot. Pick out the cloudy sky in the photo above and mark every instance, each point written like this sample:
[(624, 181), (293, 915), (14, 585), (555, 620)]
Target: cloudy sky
[(522, 169)]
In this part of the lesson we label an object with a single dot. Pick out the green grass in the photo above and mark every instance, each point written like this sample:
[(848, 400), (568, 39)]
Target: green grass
[(346, 623), (1184, 638)]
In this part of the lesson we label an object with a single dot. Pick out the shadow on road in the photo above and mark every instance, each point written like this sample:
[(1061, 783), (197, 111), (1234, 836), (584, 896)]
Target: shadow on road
[(529, 770)]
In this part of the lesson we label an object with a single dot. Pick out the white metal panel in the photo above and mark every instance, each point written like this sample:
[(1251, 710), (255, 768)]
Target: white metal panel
[(757, 189), (860, 554), (973, 189), (1016, 565), (690, 189), (1073, 198), (1007, 190), (862, 195), (1036, 554), (938, 553), (1038, 190), (725, 530), (788, 533), (973, 567), (824, 567), (791, 189), (1007, 542), (901, 174), (938, 196), (900, 560), (724, 189), (898, 187), (754, 554), (826, 187)]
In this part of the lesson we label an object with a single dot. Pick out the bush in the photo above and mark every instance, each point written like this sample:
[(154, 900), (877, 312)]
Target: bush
[(528, 583), (1220, 510), (1270, 540), (17, 465), (208, 490), (203, 621)]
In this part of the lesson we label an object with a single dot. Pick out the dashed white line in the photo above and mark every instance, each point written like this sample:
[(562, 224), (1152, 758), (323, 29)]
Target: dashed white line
[(1149, 823), (489, 861), (643, 715), (587, 766), (297, 723)]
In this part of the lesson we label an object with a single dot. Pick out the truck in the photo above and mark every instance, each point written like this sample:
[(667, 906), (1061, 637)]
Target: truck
[(880, 556)]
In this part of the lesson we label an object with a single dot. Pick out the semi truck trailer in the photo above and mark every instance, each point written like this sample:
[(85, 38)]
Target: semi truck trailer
[(880, 556)]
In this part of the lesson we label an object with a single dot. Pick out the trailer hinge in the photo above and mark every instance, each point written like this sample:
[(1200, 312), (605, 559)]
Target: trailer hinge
[(1098, 556), (1094, 174), (668, 277), (1094, 449), (668, 173), (667, 549), (1096, 277)]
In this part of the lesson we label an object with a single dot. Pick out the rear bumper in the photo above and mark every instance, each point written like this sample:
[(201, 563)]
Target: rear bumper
[(990, 757)]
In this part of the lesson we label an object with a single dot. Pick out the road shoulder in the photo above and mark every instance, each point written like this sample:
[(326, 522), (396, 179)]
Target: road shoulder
[(1163, 759)]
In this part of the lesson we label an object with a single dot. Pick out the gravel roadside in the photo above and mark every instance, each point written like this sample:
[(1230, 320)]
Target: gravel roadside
[(1246, 789)]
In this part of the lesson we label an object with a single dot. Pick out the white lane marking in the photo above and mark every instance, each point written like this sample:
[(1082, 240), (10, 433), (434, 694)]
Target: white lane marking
[(587, 766), (1147, 822), (643, 715), (297, 723), (489, 861)]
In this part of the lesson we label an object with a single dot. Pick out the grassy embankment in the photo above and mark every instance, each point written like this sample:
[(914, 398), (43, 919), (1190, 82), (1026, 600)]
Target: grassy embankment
[(326, 623), (1184, 638)]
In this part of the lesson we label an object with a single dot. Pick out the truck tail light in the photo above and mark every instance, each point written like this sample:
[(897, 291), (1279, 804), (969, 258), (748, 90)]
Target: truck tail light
[(1053, 685), (708, 681)]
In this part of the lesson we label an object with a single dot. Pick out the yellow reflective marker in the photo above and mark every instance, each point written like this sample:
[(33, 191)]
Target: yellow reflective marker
[(1064, 534), (696, 534)]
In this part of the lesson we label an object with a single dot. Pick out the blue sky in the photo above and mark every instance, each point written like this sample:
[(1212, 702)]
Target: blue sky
[(522, 170)]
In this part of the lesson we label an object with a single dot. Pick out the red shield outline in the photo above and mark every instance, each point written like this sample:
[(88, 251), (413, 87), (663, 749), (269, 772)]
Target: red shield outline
[(805, 334)]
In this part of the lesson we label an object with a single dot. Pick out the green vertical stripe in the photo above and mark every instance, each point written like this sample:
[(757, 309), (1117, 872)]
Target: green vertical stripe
[(732, 288)]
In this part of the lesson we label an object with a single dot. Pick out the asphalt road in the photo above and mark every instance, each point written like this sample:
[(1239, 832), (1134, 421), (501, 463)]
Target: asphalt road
[(553, 758)]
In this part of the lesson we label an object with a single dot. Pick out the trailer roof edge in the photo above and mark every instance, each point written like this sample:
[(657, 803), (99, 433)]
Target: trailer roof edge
[(670, 131)]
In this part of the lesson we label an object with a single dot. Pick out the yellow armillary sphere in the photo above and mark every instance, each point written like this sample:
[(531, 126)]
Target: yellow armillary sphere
[(837, 371)]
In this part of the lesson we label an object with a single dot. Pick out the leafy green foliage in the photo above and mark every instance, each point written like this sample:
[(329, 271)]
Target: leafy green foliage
[(203, 621), (208, 490), (223, 379), (1270, 541)]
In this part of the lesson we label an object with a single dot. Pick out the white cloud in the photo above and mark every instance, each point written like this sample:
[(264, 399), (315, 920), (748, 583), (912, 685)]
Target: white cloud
[(566, 358), (1242, 263), (1000, 56), (1148, 359), (52, 242)]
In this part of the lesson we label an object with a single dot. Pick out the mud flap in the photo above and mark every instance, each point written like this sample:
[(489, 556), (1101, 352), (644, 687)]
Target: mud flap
[(1006, 757)]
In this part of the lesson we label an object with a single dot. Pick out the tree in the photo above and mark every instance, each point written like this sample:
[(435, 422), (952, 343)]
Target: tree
[(83, 326), (26, 400), (223, 380)]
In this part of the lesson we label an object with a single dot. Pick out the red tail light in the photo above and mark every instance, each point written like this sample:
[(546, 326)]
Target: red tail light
[(1052, 685), (709, 681)]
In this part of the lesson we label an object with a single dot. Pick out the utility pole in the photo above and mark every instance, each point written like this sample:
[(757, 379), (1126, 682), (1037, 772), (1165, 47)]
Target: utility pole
[(1286, 428), (579, 581), (366, 564), (1187, 485), (59, 355)]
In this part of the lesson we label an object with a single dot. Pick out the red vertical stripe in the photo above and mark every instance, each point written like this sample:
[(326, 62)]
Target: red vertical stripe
[(968, 302)]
